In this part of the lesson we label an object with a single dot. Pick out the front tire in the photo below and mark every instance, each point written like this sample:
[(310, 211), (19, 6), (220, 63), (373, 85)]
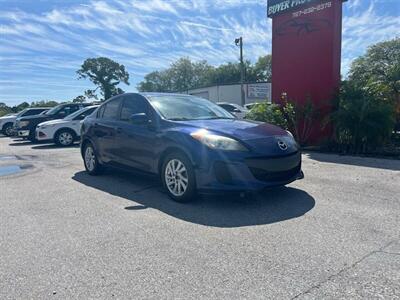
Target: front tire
[(92, 165), (8, 129), (178, 177), (64, 138)]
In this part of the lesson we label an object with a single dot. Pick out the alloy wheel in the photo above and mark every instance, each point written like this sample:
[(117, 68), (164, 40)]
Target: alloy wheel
[(176, 177), (65, 138), (9, 131), (90, 159)]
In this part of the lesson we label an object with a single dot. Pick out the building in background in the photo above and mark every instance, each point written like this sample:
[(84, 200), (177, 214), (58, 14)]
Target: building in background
[(254, 92)]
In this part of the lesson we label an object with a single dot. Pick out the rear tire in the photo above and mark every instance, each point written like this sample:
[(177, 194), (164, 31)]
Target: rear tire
[(178, 178), (65, 138), (92, 165)]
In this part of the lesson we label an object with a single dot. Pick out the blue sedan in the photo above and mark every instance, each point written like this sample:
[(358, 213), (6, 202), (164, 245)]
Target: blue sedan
[(191, 143)]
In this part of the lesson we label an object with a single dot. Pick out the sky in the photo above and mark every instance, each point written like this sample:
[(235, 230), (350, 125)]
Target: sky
[(44, 42)]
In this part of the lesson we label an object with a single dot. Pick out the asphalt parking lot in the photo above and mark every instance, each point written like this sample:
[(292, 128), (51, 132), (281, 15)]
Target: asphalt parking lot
[(64, 234)]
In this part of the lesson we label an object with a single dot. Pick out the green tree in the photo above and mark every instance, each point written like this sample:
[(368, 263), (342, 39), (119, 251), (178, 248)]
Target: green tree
[(79, 99), (185, 74), (106, 74), (263, 68), (378, 71), (4, 109), (180, 76), (157, 81), (44, 103), (226, 73), (362, 121), (21, 106)]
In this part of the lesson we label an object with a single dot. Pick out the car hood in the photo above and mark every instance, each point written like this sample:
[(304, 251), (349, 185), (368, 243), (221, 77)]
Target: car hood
[(54, 122), (8, 118), (240, 129), (35, 118)]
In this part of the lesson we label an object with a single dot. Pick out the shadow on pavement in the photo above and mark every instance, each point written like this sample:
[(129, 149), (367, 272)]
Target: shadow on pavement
[(40, 145), (53, 146), (370, 162), (21, 143), (268, 207)]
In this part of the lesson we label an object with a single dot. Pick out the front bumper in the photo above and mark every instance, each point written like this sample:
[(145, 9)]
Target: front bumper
[(23, 133), (42, 135), (248, 173)]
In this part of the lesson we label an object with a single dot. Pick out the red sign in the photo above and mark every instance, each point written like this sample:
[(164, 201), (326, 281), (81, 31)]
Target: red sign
[(306, 54)]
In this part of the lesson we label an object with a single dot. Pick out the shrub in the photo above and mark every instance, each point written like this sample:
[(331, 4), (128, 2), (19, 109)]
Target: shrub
[(300, 118), (269, 113), (362, 122)]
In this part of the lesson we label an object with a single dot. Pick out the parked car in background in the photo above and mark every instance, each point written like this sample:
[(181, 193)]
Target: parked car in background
[(7, 122), (190, 142), (249, 106), (64, 132), (26, 126), (235, 109)]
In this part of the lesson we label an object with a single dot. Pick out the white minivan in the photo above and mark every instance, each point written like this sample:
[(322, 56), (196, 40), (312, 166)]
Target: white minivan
[(64, 132)]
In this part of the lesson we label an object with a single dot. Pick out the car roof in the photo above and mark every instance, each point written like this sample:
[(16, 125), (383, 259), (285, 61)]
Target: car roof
[(73, 103), (155, 94), (148, 94), (38, 107), (91, 106)]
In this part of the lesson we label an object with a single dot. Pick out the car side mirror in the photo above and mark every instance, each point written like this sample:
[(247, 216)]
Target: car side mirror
[(139, 119), (236, 110)]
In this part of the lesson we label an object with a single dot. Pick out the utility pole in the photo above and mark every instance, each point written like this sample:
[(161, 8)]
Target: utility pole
[(239, 42)]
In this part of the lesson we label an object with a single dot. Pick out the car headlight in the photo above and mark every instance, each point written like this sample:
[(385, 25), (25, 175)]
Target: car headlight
[(290, 140), (218, 141), (23, 123), (44, 126)]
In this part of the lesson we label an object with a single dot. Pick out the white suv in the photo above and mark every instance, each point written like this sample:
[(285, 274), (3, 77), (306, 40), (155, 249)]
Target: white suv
[(64, 132), (7, 122)]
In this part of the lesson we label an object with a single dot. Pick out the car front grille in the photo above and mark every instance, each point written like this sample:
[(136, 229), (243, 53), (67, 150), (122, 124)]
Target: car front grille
[(275, 169)]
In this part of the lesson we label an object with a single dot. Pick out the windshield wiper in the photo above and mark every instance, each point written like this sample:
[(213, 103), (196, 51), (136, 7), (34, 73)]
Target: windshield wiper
[(179, 119), (215, 118)]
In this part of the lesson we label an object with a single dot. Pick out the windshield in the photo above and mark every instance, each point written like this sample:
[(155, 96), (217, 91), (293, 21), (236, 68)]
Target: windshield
[(54, 110), (180, 108), (79, 112), (21, 112)]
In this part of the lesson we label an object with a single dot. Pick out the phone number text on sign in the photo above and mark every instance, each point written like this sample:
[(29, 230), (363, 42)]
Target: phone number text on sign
[(311, 9)]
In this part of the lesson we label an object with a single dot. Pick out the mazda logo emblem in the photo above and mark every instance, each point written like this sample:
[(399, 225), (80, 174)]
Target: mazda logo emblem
[(282, 145)]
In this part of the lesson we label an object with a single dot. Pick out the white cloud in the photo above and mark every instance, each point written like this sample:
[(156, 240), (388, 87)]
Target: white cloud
[(154, 6), (365, 28), (150, 35)]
